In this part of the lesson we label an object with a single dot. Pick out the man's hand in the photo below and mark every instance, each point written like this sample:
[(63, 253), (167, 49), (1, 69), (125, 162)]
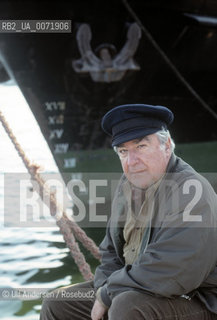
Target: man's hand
[(98, 311)]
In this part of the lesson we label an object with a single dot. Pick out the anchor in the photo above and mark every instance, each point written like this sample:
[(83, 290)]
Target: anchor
[(105, 68)]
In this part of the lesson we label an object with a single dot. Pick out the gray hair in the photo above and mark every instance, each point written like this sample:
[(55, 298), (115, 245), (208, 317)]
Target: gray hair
[(163, 136)]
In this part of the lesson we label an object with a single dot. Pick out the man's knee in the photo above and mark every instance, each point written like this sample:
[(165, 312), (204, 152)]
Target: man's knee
[(123, 307), (136, 305)]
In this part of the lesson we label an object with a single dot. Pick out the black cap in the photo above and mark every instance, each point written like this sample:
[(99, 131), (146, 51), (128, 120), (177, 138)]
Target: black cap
[(132, 121)]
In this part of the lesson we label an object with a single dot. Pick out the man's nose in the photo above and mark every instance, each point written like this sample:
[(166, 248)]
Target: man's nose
[(132, 158)]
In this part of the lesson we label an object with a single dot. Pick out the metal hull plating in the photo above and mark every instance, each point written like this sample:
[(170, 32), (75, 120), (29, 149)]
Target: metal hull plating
[(71, 80)]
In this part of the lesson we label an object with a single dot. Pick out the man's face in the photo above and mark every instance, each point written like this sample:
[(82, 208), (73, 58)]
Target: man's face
[(144, 161)]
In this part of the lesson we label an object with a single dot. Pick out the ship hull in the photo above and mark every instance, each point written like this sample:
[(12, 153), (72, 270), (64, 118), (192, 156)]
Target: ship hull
[(173, 63)]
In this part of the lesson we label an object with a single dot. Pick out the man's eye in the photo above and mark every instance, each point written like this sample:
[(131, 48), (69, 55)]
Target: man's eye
[(122, 152), (141, 146)]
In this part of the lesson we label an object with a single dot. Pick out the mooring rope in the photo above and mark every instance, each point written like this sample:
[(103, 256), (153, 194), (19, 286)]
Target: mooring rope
[(168, 61), (67, 226)]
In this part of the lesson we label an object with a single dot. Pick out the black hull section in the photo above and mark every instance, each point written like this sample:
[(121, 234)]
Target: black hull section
[(68, 105)]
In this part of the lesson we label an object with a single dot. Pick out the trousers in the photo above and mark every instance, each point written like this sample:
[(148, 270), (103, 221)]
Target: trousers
[(64, 304)]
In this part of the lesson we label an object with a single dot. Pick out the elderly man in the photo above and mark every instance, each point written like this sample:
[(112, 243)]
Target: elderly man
[(159, 257)]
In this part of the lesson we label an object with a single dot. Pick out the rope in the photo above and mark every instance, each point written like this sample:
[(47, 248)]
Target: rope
[(168, 61), (66, 226)]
